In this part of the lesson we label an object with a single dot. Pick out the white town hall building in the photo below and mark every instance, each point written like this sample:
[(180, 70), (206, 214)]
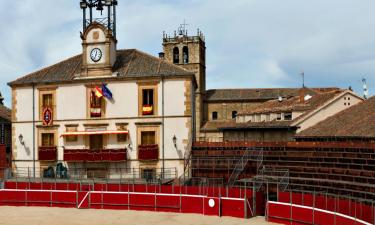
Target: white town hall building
[(105, 113)]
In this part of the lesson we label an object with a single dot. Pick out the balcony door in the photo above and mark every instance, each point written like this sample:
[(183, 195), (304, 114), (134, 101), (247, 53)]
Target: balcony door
[(96, 142), (147, 137), (48, 140)]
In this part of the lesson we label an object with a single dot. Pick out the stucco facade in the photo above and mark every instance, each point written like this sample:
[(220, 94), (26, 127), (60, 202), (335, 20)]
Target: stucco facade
[(71, 110)]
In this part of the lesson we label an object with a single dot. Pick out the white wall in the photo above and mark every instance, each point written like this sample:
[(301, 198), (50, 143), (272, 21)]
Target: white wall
[(71, 102), (174, 97), (24, 106), (329, 110)]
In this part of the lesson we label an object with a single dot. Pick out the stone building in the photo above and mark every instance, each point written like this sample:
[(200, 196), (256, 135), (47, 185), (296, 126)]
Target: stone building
[(354, 124), (281, 119)]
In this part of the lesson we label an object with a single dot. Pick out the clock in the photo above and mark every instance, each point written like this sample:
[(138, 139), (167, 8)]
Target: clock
[(96, 54)]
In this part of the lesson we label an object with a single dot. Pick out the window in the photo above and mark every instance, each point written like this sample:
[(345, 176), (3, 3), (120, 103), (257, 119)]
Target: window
[(147, 101), (268, 117), (278, 116), (234, 114), (121, 138), (214, 115), (288, 116), (121, 127), (95, 105), (72, 138), (185, 52), (148, 174), (96, 141), (48, 140), (47, 101), (176, 55), (147, 137)]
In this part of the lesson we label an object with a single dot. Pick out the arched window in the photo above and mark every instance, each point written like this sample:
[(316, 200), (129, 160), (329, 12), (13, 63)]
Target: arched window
[(185, 52), (234, 114), (214, 115), (176, 55)]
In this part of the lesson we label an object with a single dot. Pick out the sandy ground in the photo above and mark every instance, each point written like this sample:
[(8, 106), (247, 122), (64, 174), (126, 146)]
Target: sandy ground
[(52, 216)]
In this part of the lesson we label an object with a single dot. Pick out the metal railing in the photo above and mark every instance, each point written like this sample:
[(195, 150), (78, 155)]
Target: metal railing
[(132, 175), (249, 154)]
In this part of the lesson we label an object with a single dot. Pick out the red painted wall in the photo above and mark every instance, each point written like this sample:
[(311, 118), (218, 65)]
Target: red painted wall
[(324, 206), (131, 197)]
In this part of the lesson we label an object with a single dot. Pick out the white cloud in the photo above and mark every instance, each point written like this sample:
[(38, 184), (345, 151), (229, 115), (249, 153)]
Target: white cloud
[(250, 43)]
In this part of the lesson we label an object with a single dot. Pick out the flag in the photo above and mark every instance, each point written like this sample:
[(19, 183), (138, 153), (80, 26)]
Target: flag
[(106, 92), (98, 92)]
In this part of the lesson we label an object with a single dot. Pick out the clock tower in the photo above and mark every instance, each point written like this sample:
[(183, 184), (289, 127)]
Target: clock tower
[(98, 39)]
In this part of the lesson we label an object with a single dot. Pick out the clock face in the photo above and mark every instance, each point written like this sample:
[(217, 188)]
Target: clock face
[(96, 54)]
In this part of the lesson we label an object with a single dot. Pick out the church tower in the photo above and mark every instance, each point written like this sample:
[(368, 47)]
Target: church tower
[(189, 52), (98, 39)]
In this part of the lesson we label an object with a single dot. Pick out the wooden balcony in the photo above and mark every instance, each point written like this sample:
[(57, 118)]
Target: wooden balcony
[(47, 153), (102, 155), (148, 152)]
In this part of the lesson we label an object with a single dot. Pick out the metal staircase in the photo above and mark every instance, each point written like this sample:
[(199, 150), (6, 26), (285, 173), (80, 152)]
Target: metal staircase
[(251, 154)]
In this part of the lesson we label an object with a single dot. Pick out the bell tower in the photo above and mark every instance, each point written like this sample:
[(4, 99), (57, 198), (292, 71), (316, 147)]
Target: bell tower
[(98, 38), (189, 52)]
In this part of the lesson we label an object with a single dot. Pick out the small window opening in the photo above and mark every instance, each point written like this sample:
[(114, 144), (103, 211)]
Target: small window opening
[(214, 115), (176, 56), (185, 52)]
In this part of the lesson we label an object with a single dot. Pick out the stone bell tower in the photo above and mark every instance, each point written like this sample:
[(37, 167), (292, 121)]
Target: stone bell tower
[(98, 39), (189, 52)]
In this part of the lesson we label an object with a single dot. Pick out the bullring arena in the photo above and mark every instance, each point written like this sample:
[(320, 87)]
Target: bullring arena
[(229, 193)]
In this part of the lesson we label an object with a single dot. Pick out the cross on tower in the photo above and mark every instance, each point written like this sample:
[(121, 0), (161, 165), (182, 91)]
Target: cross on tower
[(182, 28)]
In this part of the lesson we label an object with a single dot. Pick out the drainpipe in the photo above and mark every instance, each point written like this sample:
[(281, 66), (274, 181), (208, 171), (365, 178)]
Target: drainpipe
[(34, 130), (162, 118)]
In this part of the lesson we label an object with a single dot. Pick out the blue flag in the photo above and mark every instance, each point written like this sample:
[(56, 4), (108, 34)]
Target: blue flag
[(106, 92)]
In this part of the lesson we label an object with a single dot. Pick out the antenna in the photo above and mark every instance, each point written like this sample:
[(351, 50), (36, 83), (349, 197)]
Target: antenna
[(303, 78), (365, 91)]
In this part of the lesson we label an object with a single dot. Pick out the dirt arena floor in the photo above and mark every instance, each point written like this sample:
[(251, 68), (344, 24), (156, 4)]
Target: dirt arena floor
[(54, 216)]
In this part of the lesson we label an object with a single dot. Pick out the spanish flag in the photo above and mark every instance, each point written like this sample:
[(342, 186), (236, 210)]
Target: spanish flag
[(98, 92)]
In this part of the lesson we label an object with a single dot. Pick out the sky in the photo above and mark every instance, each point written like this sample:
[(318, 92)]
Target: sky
[(250, 43)]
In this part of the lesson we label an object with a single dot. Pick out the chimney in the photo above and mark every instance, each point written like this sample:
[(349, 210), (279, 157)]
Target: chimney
[(302, 95), (162, 55)]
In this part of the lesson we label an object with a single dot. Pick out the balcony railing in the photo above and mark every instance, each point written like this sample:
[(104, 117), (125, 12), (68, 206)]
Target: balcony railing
[(81, 155), (48, 153), (148, 152)]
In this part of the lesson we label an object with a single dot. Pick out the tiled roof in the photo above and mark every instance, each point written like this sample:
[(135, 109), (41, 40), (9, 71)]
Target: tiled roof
[(259, 125), (257, 94), (224, 125), (293, 103), (129, 63), (5, 112), (290, 104), (356, 121)]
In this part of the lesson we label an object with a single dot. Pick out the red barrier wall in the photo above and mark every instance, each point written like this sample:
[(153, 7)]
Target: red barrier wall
[(181, 199), (286, 213), (361, 211)]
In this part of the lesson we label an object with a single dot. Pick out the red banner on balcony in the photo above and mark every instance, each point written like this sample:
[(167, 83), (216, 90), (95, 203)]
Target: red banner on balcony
[(103, 155), (148, 152)]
